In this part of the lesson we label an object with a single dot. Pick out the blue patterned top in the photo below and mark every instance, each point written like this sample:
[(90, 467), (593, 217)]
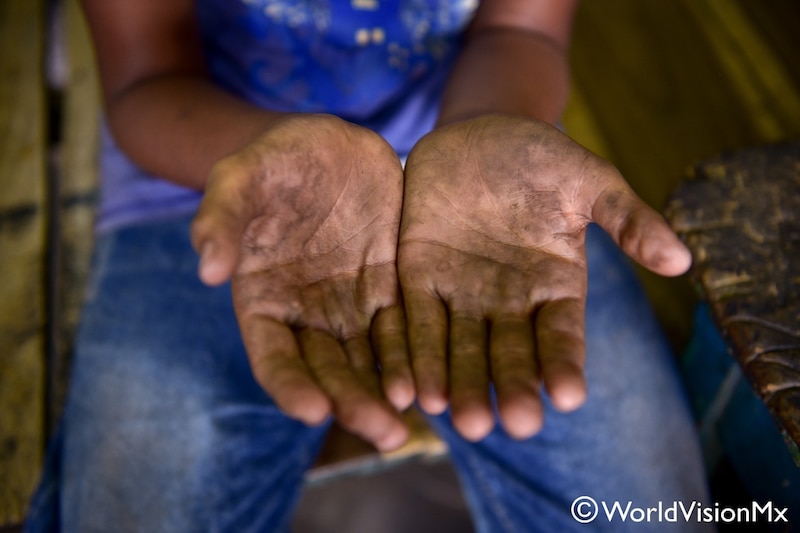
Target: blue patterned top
[(378, 63)]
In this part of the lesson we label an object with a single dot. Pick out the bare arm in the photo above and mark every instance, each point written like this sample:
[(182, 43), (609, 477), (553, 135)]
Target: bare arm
[(514, 61), (163, 110)]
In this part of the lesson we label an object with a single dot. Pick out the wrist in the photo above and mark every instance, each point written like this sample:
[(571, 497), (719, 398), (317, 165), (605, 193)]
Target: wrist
[(507, 71)]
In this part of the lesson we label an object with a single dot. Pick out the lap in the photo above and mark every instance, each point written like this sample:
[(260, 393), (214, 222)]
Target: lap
[(633, 440), (166, 429)]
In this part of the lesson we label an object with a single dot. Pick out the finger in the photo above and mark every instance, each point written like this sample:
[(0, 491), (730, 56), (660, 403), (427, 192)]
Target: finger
[(220, 223), (278, 368), (641, 231), (427, 342), (389, 340), (561, 351), (469, 377), (362, 361), (354, 406), (514, 374)]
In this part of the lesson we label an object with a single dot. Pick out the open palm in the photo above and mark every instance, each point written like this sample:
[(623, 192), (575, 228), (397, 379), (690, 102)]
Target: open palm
[(493, 267), (306, 219)]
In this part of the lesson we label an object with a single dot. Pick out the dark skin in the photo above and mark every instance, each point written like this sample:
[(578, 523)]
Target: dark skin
[(308, 216), (303, 213), (504, 265)]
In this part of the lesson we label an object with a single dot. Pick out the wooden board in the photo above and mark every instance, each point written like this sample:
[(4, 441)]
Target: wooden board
[(22, 252), (77, 195), (740, 216)]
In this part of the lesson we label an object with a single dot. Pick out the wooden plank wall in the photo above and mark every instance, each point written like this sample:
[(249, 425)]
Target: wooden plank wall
[(26, 249), (77, 192), (659, 85), (22, 252)]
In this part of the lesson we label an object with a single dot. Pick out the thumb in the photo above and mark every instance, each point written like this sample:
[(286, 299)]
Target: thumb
[(218, 227), (640, 230)]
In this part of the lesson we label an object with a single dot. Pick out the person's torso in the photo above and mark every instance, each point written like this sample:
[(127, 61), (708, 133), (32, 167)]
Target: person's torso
[(378, 63)]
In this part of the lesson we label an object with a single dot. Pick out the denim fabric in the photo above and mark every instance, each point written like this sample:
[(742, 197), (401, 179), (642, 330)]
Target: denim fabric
[(734, 421), (632, 441), (166, 430)]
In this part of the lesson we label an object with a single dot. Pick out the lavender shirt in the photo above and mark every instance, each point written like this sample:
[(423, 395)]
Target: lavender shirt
[(378, 63)]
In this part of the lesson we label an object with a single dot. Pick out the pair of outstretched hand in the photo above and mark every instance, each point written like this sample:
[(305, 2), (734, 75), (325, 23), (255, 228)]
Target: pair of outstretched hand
[(322, 231)]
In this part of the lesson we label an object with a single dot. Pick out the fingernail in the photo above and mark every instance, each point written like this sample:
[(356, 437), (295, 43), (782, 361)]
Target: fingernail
[(400, 394), (206, 252), (432, 403)]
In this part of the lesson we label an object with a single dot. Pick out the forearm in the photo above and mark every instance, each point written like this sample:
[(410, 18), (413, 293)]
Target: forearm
[(513, 71), (178, 126)]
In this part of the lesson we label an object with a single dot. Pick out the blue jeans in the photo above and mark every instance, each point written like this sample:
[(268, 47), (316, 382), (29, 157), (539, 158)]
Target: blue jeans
[(166, 430), (735, 423)]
